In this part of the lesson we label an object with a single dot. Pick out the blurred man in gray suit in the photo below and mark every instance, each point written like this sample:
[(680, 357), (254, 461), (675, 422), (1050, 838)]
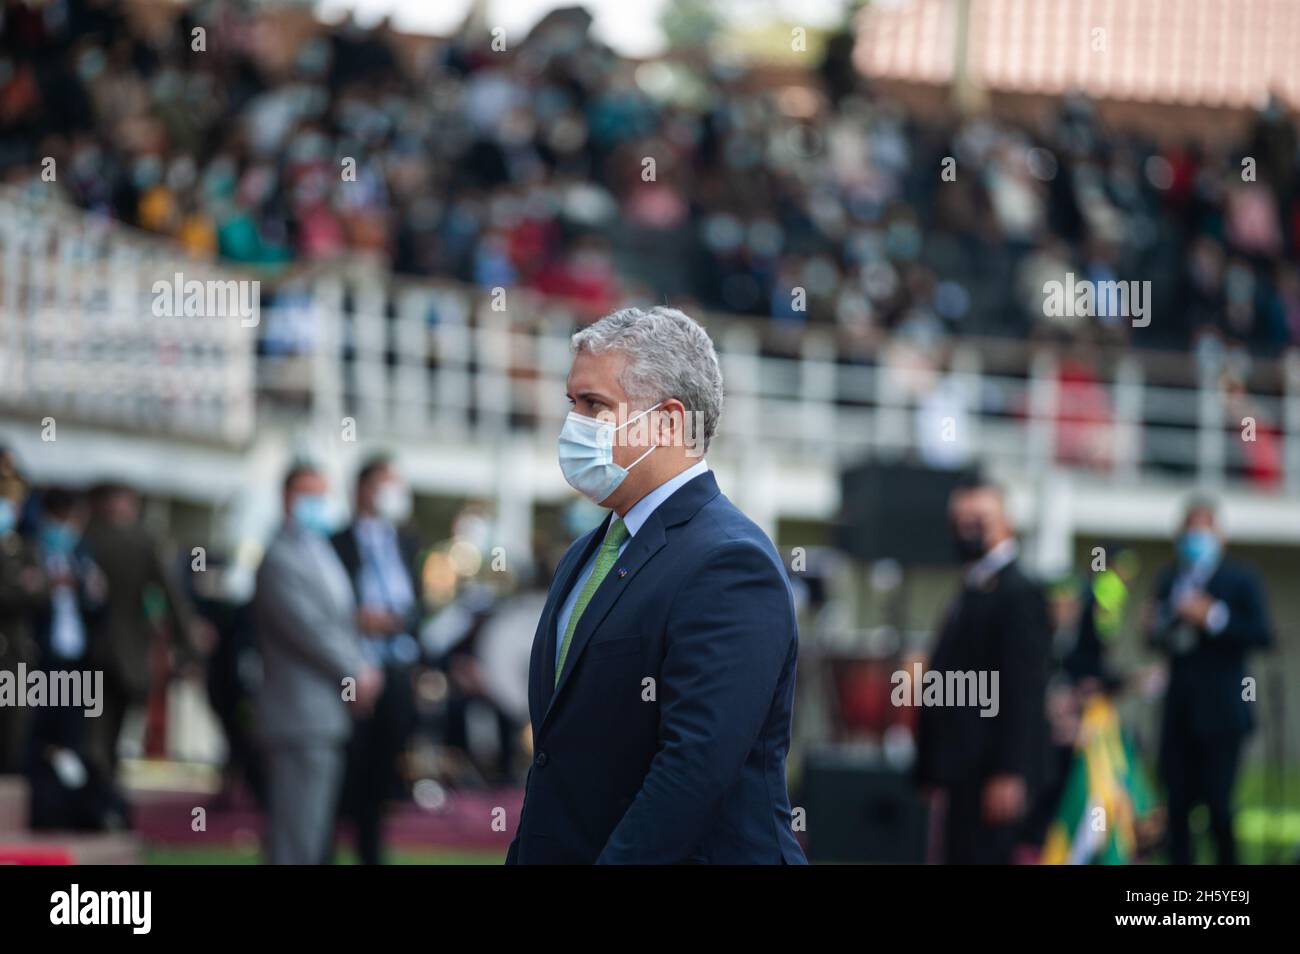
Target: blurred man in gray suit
[(312, 672)]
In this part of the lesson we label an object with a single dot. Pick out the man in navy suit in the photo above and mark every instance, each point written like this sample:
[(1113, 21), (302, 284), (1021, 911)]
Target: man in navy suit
[(1209, 612), (663, 669)]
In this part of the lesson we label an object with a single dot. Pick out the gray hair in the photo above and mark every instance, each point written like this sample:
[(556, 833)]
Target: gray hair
[(669, 355)]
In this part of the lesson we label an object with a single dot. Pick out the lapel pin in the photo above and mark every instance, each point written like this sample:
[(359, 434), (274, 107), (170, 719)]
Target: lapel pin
[(622, 572)]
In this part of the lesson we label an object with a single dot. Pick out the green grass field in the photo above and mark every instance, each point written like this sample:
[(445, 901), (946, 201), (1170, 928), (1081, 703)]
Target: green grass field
[(1268, 825)]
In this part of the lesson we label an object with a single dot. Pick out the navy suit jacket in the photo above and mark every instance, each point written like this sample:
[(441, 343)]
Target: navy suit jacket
[(665, 740), (1205, 683)]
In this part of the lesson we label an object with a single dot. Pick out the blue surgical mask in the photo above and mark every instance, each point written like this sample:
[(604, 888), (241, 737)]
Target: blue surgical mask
[(58, 538), (312, 513), (1198, 547), (8, 515), (587, 455)]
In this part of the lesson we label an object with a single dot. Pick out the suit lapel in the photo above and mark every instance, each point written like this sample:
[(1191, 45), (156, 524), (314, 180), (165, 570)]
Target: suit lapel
[(648, 541), (543, 667)]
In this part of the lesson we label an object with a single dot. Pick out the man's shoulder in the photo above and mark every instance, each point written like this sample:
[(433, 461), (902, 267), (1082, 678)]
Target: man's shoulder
[(721, 525), (124, 541), (284, 551), (1234, 572), (1014, 580)]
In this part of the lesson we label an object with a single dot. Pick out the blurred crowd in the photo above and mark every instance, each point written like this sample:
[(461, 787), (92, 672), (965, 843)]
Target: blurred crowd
[(366, 667), (559, 166), (1061, 770), (83, 588)]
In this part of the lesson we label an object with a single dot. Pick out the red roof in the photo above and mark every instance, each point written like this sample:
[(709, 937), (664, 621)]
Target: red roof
[(1201, 52)]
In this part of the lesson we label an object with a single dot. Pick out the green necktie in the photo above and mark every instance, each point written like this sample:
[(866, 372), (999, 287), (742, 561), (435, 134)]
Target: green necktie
[(605, 558)]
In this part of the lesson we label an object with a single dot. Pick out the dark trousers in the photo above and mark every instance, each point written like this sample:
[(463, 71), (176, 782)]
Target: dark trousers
[(59, 727), (15, 725), (1195, 770), (103, 733), (967, 838), (372, 767)]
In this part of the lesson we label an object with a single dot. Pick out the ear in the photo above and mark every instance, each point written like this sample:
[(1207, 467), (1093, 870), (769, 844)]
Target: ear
[(671, 418)]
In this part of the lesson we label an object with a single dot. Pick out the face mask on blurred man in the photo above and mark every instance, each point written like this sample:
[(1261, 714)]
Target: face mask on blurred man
[(393, 501), (968, 543), (1198, 547), (312, 513), (58, 538)]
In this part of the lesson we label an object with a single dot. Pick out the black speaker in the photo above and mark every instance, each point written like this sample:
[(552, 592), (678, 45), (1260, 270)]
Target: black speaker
[(861, 811), (897, 511)]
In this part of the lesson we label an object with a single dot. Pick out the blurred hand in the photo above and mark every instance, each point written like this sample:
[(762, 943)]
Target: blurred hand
[(203, 636), (1152, 680), (62, 577), (1063, 714), (1194, 608), (465, 673), (1004, 799), (370, 683), (32, 580), (96, 585), (378, 622)]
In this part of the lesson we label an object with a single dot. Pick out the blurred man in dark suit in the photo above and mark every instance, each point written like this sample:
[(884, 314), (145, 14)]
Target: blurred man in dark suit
[(662, 676), (69, 790), (983, 770), (1209, 611), (312, 670), (23, 589), (380, 555), (122, 644)]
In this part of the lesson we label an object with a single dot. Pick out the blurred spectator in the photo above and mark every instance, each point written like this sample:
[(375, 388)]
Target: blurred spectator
[(232, 674), (1209, 612), (69, 789), (1254, 439), (78, 590), (985, 771), (140, 590), (380, 553), (23, 589), (312, 669), (1102, 608), (1083, 420)]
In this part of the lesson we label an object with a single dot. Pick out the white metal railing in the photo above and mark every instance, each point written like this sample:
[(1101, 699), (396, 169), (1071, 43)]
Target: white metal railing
[(419, 360), (79, 337), (414, 360)]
